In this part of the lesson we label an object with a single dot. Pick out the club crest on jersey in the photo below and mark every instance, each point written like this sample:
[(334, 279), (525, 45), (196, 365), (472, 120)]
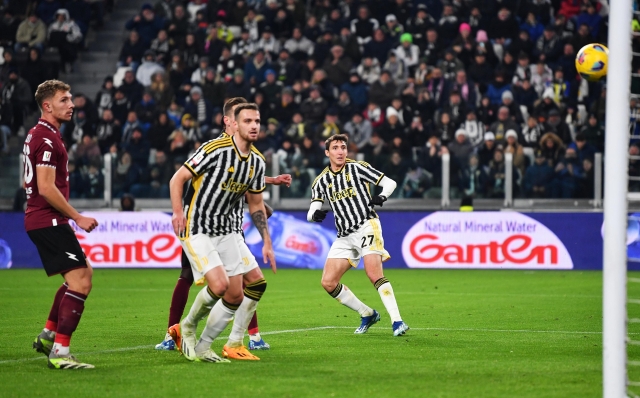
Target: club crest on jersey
[(197, 159), (348, 177), (233, 186), (231, 169), (251, 169)]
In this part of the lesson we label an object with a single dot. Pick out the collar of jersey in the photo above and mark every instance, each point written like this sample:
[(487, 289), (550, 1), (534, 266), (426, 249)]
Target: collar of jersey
[(48, 125), (244, 158), (335, 173)]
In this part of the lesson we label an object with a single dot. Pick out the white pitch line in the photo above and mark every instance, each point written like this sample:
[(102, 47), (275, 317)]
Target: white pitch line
[(124, 349)]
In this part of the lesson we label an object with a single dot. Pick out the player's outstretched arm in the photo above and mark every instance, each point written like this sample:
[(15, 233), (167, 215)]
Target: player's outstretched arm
[(279, 180), (316, 214), (46, 177), (259, 218), (176, 188)]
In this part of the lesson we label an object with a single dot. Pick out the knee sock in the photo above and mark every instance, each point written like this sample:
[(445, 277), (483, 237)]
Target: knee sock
[(71, 308), (220, 316), (52, 322), (253, 325), (388, 298), (252, 295), (204, 302), (346, 297), (179, 301)]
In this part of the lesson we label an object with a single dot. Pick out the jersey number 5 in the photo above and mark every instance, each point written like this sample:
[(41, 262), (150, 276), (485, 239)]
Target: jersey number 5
[(364, 240), (28, 168)]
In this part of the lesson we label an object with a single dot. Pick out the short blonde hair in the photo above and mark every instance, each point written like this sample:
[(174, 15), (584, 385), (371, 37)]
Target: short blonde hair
[(48, 89)]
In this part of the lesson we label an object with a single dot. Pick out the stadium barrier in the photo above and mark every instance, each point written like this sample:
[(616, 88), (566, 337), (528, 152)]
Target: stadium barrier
[(441, 239)]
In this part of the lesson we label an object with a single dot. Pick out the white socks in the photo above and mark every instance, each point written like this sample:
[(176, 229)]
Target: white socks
[(346, 297), (388, 298), (60, 350), (201, 306), (218, 319), (241, 322)]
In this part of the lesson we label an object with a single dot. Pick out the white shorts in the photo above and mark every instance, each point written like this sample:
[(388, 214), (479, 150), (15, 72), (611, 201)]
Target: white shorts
[(207, 252), (248, 259), (366, 240)]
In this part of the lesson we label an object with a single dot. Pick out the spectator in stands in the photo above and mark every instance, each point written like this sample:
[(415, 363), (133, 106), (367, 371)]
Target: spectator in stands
[(375, 151), (65, 34), (552, 148), (76, 182), (148, 68), (472, 179), (514, 107), (104, 97), (525, 94), (416, 182), (445, 128), (497, 87), (345, 107), (456, 108), (254, 70), (178, 147), (532, 26), (87, 151), (369, 70), (556, 125), (34, 71), (537, 179), (191, 130), (161, 46), (46, 10), (515, 148), (299, 46), (590, 17), (268, 43), (450, 64), (548, 47), (582, 37), (379, 47), (448, 24), (364, 26), (567, 173), (486, 113), (460, 148), (532, 132), (473, 128), (213, 89), (314, 107), (198, 75), (138, 147), (593, 133), (359, 129), (397, 69), (485, 152), (131, 88), (160, 90), (146, 108), (582, 148), (503, 124), (287, 70), (330, 126), (108, 131), (433, 48), (285, 107), (396, 168), (291, 162), (155, 180), (146, 23), (337, 67), (271, 88), (374, 114), (32, 32), (18, 94), (200, 108), (125, 175), (128, 128), (497, 175), (178, 25), (94, 183), (383, 90), (419, 25), (418, 133), (120, 107)]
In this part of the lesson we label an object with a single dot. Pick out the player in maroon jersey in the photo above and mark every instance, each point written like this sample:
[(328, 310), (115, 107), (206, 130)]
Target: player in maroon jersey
[(46, 182)]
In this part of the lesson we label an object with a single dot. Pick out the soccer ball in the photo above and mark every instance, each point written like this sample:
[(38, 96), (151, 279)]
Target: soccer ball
[(592, 61)]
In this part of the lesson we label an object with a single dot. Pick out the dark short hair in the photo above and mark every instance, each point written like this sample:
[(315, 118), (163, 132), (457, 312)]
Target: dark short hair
[(230, 103), (245, 106), (337, 137), (48, 89)]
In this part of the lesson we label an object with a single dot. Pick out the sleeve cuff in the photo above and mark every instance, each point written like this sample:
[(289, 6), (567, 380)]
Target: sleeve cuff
[(191, 169), (317, 200), (257, 190)]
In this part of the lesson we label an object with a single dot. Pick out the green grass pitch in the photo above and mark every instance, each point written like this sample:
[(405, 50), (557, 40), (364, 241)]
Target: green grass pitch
[(474, 334)]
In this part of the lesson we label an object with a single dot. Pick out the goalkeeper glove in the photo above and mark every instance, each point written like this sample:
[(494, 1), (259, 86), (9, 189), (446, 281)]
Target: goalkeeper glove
[(377, 200), (319, 215)]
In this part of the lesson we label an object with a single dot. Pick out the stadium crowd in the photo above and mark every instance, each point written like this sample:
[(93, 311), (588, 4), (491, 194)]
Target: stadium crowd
[(407, 81)]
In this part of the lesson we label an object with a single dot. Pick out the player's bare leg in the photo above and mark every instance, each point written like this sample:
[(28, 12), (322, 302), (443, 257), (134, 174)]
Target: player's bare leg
[(255, 286), (220, 316), (184, 333), (373, 268), (333, 271)]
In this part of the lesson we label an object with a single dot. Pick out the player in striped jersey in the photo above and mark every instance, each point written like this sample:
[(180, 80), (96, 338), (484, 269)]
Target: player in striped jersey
[(345, 183), (222, 171), (181, 290)]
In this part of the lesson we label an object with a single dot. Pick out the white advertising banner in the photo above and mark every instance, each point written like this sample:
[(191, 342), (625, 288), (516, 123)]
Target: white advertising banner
[(507, 240), (130, 239)]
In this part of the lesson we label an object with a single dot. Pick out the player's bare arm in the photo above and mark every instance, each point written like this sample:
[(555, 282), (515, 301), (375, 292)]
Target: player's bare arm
[(46, 177), (282, 179), (176, 187), (259, 218)]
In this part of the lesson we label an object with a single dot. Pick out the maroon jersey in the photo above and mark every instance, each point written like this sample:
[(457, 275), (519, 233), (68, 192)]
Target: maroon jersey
[(43, 147)]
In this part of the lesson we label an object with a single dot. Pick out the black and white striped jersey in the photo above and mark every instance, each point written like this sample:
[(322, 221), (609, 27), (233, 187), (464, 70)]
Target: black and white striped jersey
[(221, 177), (348, 193), (237, 214)]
